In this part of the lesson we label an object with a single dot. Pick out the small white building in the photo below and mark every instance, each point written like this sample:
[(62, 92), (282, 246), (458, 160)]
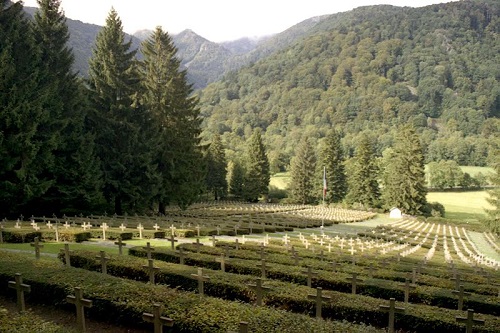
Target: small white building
[(395, 213)]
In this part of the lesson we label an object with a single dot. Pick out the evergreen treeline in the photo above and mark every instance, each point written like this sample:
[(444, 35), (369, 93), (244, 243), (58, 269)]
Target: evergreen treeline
[(125, 140), (368, 71)]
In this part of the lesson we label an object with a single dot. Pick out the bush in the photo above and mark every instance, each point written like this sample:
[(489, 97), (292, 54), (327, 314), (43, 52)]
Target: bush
[(20, 235), (434, 209)]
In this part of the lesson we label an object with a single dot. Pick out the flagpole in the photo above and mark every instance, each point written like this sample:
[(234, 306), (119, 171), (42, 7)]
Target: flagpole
[(324, 184)]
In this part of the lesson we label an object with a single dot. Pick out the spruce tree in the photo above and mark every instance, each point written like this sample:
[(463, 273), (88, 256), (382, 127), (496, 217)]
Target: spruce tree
[(119, 121), (404, 185), (332, 160), (303, 168), (167, 97), (363, 175), (257, 175), (216, 181), (493, 220), (236, 179), (74, 168), (22, 97)]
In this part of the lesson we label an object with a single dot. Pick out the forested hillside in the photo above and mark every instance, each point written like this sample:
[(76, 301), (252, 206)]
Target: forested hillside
[(367, 71)]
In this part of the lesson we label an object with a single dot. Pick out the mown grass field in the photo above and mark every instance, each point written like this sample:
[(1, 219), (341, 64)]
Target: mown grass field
[(468, 206), (462, 205)]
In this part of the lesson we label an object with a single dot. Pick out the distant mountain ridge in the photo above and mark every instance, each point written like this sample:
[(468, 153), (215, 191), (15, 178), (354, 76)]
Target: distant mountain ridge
[(205, 61)]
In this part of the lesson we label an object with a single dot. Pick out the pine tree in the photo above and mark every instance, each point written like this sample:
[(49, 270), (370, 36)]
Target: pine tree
[(119, 121), (257, 175), (216, 181), (167, 97), (22, 96), (363, 174), (303, 168), (236, 179), (404, 185), (493, 220), (75, 169), (332, 160)]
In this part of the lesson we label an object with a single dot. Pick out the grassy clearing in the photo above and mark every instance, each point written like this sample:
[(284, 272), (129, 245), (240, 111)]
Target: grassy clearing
[(280, 180), (462, 205), (474, 170)]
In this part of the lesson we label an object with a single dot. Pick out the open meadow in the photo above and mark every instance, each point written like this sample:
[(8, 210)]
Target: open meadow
[(277, 268)]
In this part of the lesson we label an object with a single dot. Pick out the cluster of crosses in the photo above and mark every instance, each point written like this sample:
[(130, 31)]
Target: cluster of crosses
[(160, 321)]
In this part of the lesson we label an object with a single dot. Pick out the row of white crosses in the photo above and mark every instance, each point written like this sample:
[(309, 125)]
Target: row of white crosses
[(422, 242), (447, 255), (456, 248), (478, 256), (432, 250), (490, 238)]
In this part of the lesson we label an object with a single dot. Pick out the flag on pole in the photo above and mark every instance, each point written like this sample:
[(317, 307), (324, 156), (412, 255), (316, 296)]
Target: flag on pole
[(324, 183)]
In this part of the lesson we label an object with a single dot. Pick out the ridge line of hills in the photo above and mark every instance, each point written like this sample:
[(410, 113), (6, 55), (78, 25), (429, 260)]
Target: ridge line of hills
[(206, 61)]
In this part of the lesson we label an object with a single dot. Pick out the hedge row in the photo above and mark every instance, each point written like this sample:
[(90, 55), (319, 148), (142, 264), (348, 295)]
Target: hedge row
[(289, 296), (28, 322), (434, 274), (122, 301), (328, 280)]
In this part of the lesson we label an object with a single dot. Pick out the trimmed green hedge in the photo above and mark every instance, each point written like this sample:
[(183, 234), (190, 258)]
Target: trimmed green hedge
[(28, 322), (288, 296), (434, 275), (123, 301), (378, 288), (20, 235)]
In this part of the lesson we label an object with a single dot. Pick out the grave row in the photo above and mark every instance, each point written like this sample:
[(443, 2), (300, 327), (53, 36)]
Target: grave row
[(461, 244), (366, 258), (371, 266), (329, 280), (323, 303), (128, 302)]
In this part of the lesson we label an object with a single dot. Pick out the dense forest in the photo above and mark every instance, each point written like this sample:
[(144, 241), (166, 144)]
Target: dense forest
[(125, 139), (366, 72)]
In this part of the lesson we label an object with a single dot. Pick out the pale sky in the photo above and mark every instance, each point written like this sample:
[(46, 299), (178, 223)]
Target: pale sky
[(215, 20)]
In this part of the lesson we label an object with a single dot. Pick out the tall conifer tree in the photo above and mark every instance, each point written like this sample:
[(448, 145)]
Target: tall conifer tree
[(167, 98), (493, 220), (257, 175), (404, 185), (216, 181), (22, 97), (236, 178), (303, 168), (363, 174), (74, 167), (119, 121), (332, 160)]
